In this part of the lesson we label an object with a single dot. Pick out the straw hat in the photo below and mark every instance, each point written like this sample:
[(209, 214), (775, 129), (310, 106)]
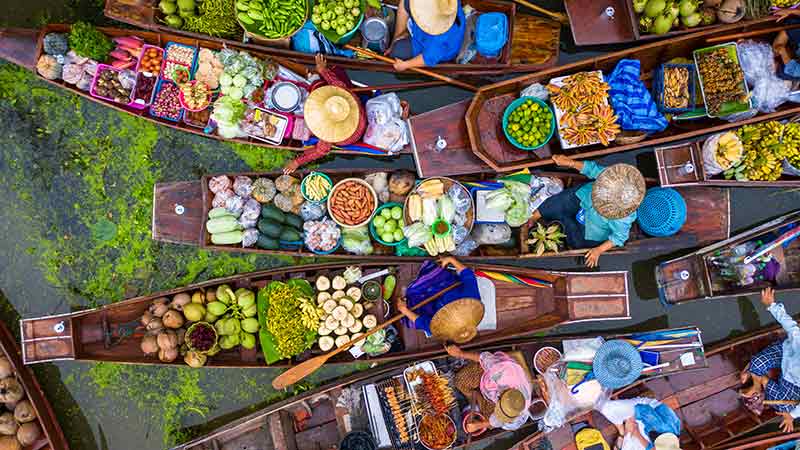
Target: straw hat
[(331, 113), (458, 320), (510, 405), (434, 16), (617, 364), (667, 441), (618, 191)]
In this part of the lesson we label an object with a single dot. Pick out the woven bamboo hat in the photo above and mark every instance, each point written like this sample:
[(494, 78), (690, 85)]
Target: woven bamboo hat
[(458, 320), (331, 113), (618, 191), (434, 16), (510, 405), (667, 441)]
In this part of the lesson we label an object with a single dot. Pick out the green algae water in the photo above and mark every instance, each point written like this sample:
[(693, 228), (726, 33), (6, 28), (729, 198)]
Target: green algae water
[(77, 183)]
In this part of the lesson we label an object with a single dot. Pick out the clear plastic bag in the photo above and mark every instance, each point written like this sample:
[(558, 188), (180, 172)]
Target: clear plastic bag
[(491, 233), (460, 198), (767, 90), (383, 108), (459, 233), (243, 186), (251, 210), (757, 60), (563, 404), (543, 188), (247, 223), (249, 237), (391, 136), (312, 211), (234, 204), (536, 90), (465, 248), (357, 241)]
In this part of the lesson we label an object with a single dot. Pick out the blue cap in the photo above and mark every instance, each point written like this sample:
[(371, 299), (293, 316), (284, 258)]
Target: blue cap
[(617, 364)]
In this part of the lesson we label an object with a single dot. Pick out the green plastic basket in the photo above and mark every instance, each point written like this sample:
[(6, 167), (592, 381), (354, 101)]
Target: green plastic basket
[(510, 108), (303, 187), (375, 234), (331, 35)]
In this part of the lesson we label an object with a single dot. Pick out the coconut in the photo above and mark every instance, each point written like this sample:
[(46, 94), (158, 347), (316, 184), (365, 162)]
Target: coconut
[(24, 412), (167, 339), (731, 11), (11, 390), (8, 425), (147, 317), (180, 300), (194, 359), (155, 326), (173, 319), (168, 354), (6, 369), (9, 443), (28, 433), (149, 345), (159, 307)]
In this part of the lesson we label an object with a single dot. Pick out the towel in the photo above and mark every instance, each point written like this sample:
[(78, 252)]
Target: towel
[(635, 108)]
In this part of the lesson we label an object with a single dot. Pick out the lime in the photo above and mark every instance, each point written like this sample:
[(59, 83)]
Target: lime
[(389, 226), (378, 221), (387, 237), (397, 213), (398, 235), (386, 213)]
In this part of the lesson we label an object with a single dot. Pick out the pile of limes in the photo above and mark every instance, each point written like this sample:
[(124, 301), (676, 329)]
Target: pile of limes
[(389, 224), (529, 124)]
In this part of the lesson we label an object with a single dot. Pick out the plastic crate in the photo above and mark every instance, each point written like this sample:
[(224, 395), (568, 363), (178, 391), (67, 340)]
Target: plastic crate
[(160, 85), (658, 88)]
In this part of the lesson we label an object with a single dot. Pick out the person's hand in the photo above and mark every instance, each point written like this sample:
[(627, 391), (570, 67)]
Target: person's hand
[(390, 48), (454, 350), (787, 423), (402, 306), (444, 261), (291, 166), (785, 13), (767, 296), (563, 161), (400, 65), (322, 64), (631, 426), (592, 257)]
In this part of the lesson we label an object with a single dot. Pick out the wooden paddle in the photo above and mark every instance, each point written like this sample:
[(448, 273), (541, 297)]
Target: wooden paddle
[(371, 54), (306, 368), (557, 16)]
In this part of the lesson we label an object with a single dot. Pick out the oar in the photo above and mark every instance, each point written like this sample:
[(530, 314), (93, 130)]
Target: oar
[(559, 17), (306, 368), (429, 73)]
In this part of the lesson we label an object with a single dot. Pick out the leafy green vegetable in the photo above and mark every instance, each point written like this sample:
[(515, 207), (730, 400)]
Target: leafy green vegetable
[(302, 285), (268, 345), (283, 319), (88, 41)]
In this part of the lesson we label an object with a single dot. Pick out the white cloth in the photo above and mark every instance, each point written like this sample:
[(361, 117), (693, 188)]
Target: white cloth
[(489, 299), (790, 364), (617, 411)]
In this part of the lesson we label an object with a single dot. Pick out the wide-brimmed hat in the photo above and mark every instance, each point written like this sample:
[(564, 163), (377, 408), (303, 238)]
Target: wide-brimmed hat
[(617, 364), (458, 320), (331, 113), (667, 441), (618, 191), (434, 16), (510, 405)]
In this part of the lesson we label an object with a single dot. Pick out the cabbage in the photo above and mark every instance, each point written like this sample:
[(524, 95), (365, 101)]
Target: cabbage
[(239, 80), (518, 214), (499, 200), (417, 234), (225, 79), (429, 211), (236, 93), (228, 112), (447, 210)]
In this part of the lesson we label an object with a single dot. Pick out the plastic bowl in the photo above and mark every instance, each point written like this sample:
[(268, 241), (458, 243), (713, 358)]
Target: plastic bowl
[(344, 38), (510, 108), (183, 100), (322, 252), (375, 234), (374, 202), (303, 187)]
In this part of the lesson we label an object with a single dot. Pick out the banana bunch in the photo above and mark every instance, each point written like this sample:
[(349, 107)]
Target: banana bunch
[(546, 239), (764, 151), (309, 314), (783, 3), (791, 142)]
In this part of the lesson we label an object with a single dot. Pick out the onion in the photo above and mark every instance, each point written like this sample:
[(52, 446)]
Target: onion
[(149, 345), (24, 412), (167, 339), (173, 319), (9, 443), (8, 425), (168, 355), (28, 433), (11, 390)]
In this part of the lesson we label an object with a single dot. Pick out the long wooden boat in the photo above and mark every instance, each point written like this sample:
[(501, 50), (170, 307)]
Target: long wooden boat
[(707, 402), (682, 165), (180, 210), (24, 46), (777, 440), (113, 332), (52, 438), (533, 41), (478, 144), (699, 275), (279, 426)]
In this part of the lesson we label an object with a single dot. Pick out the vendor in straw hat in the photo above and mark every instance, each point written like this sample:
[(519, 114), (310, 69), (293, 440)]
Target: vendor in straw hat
[(426, 33), (596, 215), (456, 314), (504, 385), (333, 114)]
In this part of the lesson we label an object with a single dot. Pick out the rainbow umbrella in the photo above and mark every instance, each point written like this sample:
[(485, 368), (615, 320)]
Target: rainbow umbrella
[(516, 279)]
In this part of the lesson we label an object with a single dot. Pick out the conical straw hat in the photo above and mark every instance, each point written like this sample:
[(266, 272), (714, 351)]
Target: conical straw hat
[(331, 113), (434, 16), (618, 191), (458, 320), (509, 405)]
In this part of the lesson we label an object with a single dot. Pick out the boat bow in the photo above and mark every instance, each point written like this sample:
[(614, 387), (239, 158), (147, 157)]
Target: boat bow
[(18, 45), (178, 212)]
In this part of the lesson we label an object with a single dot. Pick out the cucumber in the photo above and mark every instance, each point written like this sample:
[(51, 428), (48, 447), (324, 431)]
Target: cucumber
[(227, 238), (267, 243), (219, 212), (222, 225), (269, 228), (290, 234), (272, 212), (294, 220)]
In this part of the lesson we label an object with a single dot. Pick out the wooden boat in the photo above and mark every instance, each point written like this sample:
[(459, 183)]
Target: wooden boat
[(707, 402), (279, 426), (534, 40), (777, 440), (180, 210), (698, 275), (479, 144), (52, 437), (24, 46), (104, 334), (682, 165)]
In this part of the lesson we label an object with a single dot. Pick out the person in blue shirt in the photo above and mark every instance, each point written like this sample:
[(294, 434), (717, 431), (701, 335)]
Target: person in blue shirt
[(783, 355), (456, 314), (596, 215), (426, 33)]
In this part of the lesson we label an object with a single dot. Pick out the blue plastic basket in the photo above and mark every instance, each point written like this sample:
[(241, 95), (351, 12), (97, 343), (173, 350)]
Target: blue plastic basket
[(658, 88), (662, 212), (321, 252)]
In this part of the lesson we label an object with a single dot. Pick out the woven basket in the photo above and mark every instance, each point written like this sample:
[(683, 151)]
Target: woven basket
[(468, 380), (630, 137)]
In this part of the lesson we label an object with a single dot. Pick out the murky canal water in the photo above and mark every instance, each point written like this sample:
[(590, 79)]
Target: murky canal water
[(76, 200)]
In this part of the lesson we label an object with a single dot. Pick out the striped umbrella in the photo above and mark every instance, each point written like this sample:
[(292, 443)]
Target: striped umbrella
[(516, 279)]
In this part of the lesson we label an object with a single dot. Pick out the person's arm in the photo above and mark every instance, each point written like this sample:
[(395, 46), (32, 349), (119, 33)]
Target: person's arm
[(320, 150), (620, 230), (632, 431), (450, 260), (415, 62), (421, 321), (400, 25), (779, 313), (456, 352), (592, 257), (566, 161)]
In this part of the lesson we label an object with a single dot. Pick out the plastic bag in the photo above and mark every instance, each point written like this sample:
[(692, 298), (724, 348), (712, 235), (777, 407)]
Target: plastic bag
[(491, 233), (357, 241), (234, 204), (312, 211), (536, 90), (417, 234), (247, 223), (251, 210), (542, 189), (562, 403), (219, 183), (710, 165), (767, 90), (757, 60), (465, 248), (770, 93), (459, 233), (221, 197), (382, 109), (249, 237), (243, 186), (461, 199), (392, 136)]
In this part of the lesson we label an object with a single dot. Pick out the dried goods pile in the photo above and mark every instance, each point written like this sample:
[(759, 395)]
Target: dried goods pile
[(676, 87), (722, 79), (584, 115)]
